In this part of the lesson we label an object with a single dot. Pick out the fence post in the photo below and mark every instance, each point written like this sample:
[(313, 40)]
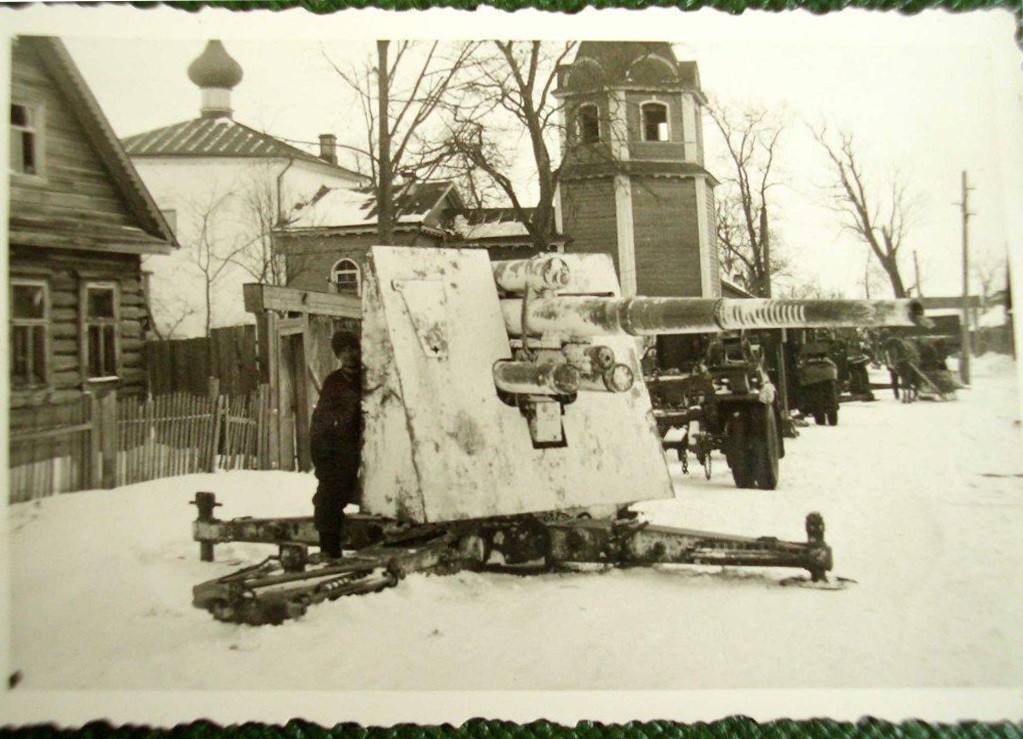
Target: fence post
[(218, 420), (95, 444), (105, 409)]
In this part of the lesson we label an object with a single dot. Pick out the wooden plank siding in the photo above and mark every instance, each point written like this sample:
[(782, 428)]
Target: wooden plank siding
[(65, 274), (667, 237), (590, 217), (227, 355), (72, 202), (74, 189)]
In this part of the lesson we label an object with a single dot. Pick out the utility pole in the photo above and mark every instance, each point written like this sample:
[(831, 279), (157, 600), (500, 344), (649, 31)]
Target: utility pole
[(788, 430), (916, 272), (964, 328)]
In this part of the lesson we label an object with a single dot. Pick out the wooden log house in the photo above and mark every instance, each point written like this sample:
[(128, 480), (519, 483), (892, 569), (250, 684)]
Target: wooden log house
[(80, 221)]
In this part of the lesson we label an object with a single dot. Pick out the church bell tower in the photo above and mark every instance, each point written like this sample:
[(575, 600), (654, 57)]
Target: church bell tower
[(633, 183)]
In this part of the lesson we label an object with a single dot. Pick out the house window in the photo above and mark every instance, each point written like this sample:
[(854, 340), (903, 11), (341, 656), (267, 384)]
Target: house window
[(588, 119), (30, 315), (25, 143), (655, 122), (100, 329), (346, 277)]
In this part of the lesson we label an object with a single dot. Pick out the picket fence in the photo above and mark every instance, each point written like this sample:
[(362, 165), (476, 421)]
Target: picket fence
[(180, 433), (73, 447)]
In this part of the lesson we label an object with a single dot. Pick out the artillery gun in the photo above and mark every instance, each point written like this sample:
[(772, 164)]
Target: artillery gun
[(507, 426), (721, 398)]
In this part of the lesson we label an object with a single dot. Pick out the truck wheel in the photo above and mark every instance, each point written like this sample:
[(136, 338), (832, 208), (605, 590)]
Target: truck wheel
[(737, 449), (832, 413), (764, 446)]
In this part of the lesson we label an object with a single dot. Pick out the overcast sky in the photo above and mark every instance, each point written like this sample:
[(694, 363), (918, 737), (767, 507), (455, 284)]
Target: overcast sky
[(932, 95)]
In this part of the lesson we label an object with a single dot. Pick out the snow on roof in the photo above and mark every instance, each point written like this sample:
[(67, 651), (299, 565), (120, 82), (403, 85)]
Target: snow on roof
[(735, 287), (337, 207), (495, 230), (345, 208), (495, 225)]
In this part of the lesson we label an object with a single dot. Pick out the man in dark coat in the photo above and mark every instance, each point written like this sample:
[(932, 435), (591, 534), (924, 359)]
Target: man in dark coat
[(336, 442)]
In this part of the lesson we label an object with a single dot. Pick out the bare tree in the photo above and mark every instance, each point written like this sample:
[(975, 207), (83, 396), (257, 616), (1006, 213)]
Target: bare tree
[(400, 95), (165, 315), (260, 214), (212, 247), (879, 216), (751, 139), (991, 272), (261, 211), (514, 80), (809, 290), (873, 278)]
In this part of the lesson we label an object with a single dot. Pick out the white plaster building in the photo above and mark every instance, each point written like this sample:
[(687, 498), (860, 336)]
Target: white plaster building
[(223, 186)]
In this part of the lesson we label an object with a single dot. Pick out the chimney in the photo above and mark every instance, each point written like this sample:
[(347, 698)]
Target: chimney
[(328, 147)]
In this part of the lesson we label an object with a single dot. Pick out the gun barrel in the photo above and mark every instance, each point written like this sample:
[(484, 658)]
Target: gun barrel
[(586, 317)]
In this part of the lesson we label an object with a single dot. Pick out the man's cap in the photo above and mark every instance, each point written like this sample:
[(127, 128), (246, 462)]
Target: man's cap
[(344, 339)]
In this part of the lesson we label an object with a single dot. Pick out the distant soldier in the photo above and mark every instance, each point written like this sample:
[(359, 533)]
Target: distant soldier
[(335, 438)]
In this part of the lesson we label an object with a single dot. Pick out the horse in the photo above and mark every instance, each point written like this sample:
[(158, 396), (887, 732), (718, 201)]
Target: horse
[(903, 359)]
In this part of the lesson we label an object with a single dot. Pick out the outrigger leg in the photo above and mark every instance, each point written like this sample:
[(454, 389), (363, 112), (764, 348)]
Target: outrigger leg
[(284, 586)]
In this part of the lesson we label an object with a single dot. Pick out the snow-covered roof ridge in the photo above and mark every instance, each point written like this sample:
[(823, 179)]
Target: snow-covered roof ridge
[(342, 207)]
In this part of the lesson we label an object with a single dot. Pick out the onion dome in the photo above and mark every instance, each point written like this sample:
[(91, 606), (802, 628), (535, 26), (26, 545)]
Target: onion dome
[(215, 72), (215, 68)]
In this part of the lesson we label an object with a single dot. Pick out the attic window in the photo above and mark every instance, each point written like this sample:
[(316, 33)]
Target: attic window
[(588, 120), (655, 122), (25, 131)]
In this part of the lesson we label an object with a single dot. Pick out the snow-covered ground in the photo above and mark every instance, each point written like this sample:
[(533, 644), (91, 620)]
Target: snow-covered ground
[(924, 506)]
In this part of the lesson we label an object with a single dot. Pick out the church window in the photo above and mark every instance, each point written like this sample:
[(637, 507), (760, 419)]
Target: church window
[(588, 119), (655, 122), (346, 277)]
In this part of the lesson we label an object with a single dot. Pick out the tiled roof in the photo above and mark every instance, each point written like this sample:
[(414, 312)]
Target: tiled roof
[(214, 137), (344, 207)]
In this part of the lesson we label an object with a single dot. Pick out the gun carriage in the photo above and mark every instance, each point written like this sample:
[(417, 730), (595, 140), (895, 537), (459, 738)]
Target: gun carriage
[(507, 425), (722, 399)]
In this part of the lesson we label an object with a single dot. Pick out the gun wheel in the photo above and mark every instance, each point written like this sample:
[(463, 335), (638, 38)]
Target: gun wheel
[(754, 447)]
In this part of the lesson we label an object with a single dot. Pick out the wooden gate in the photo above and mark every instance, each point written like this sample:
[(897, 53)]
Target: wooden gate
[(293, 329)]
